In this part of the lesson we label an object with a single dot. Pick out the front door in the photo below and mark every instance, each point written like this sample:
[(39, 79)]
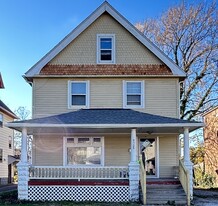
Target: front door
[(148, 150)]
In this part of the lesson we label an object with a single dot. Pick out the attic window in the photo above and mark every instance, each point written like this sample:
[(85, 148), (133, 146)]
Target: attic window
[(106, 48)]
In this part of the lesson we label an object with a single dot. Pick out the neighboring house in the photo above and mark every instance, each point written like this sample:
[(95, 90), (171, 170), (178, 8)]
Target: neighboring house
[(100, 97), (6, 143), (211, 142)]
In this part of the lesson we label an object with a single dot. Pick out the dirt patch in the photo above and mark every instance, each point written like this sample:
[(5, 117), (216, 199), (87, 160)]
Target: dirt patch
[(205, 197)]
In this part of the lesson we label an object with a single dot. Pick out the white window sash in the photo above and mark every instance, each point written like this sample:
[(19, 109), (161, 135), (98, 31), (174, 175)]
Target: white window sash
[(125, 94), (76, 145), (99, 37), (70, 106)]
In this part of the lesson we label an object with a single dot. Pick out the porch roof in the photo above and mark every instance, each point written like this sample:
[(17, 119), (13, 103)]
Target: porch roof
[(108, 119)]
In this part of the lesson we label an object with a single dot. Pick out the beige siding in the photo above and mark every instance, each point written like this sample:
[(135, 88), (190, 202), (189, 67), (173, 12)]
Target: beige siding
[(116, 150), (4, 144), (106, 93), (47, 150), (51, 95), (83, 49), (161, 97), (168, 155)]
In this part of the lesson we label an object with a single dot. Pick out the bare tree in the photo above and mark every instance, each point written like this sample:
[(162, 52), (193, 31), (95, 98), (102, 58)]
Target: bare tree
[(188, 34), (23, 113)]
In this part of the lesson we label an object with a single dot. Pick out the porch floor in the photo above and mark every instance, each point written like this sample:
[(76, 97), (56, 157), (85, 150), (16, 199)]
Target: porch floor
[(162, 181), (77, 182)]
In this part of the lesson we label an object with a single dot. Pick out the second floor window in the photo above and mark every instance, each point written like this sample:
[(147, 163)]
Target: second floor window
[(1, 120), (10, 142), (78, 96), (105, 48), (133, 94)]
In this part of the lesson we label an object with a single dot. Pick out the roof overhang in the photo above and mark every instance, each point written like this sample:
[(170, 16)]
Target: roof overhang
[(105, 120), (102, 128)]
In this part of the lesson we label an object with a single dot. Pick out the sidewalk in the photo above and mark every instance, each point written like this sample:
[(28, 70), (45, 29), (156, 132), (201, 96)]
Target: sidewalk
[(8, 188)]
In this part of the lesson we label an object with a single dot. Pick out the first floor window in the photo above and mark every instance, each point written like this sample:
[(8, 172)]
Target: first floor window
[(78, 93), (1, 155), (84, 151), (133, 94)]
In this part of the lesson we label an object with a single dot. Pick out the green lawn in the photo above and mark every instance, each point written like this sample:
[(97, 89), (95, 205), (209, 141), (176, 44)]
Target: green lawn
[(10, 198)]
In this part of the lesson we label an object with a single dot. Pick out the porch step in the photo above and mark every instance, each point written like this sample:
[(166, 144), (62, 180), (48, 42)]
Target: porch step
[(159, 194)]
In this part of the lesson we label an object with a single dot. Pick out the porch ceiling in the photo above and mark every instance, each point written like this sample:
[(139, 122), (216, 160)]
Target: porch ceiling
[(105, 121)]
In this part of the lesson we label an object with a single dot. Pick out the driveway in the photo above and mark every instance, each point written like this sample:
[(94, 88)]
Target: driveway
[(205, 197), (8, 188)]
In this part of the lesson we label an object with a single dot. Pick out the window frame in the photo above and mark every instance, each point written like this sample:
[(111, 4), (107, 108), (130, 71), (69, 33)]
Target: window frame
[(1, 160), (76, 144), (70, 106), (1, 119), (98, 53), (125, 105), (10, 142)]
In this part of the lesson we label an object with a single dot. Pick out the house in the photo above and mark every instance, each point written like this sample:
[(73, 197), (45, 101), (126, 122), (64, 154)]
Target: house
[(211, 142), (101, 97), (6, 142)]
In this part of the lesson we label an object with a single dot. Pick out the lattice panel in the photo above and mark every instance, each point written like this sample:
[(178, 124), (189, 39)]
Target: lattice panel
[(79, 193)]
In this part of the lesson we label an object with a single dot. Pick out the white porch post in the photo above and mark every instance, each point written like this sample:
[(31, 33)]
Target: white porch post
[(23, 169), (134, 169), (187, 162)]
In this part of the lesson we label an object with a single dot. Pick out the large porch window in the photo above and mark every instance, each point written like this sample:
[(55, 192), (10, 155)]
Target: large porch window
[(83, 151)]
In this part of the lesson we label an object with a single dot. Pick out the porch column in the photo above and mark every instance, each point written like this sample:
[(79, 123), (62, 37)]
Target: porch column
[(134, 169), (187, 162), (23, 169)]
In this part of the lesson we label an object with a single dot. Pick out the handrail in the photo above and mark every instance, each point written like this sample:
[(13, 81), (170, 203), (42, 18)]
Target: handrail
[(184, 177), (143, 180)]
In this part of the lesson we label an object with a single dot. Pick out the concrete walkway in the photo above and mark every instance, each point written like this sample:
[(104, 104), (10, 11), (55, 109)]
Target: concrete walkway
[(8, 188)]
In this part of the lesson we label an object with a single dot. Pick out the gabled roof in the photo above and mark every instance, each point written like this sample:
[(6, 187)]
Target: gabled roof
[(1, 82), (104, 119), (105, 7), (6, 110)]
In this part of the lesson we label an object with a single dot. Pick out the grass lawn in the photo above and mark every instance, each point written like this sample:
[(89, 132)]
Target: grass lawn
[(10, 198)]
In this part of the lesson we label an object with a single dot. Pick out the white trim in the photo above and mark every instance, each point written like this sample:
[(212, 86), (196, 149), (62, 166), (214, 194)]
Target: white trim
[(157, 156), (70, 106), (105, 7), (98, 49), (125, 94), (75, 144)]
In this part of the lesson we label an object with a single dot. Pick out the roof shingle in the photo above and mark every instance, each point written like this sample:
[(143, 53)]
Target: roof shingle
[(105, 116)]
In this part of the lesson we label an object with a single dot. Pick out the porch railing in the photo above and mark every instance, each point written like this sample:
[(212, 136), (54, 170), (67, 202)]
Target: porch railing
[(55, 172), (143, 180), (184, 178)]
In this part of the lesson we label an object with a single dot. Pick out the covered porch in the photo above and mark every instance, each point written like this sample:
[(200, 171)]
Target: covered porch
[(116, 182)]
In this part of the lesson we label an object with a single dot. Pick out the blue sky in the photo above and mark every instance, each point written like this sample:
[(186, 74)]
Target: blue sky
[(30, 28)]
